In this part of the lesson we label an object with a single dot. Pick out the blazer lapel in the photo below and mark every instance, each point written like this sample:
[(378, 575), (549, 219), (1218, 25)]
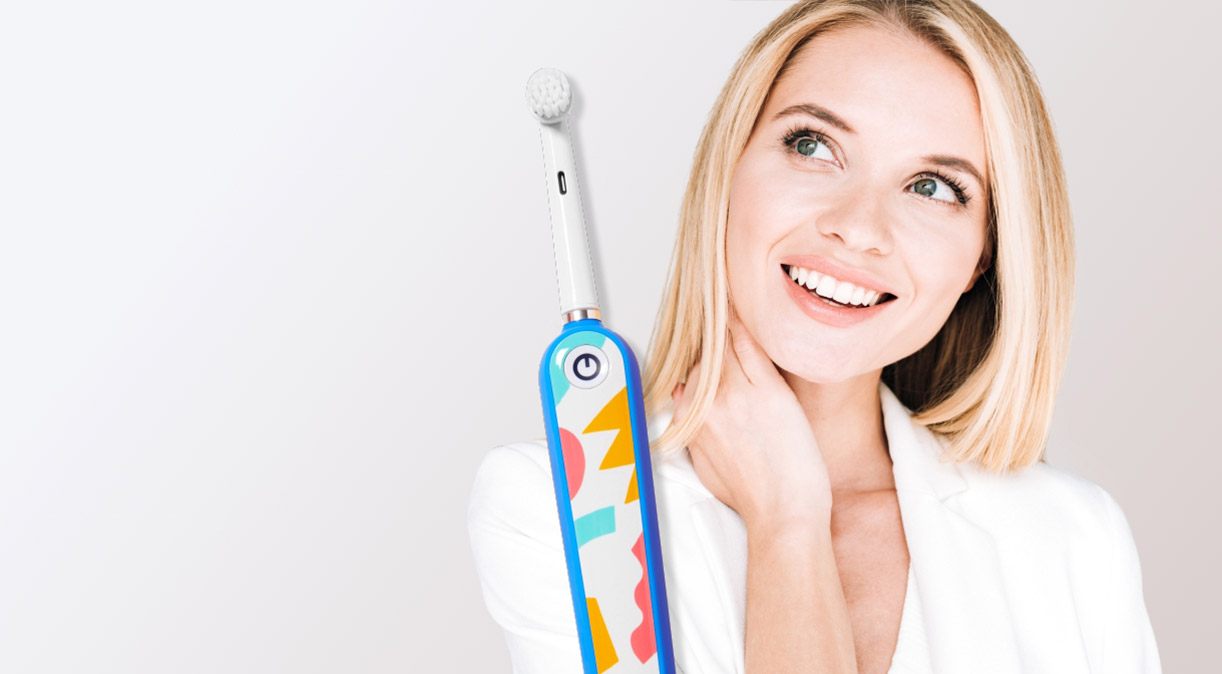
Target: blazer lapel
[(953, 560)]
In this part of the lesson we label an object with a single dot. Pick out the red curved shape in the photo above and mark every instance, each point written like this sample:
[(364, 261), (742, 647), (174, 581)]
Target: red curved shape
[(644, 646)]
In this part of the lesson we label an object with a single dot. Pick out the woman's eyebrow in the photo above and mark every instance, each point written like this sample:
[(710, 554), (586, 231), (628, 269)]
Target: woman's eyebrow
[(818, 112), (955, 163)]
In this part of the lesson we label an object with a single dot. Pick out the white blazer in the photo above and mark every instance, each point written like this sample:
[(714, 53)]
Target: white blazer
[(1026, 573)]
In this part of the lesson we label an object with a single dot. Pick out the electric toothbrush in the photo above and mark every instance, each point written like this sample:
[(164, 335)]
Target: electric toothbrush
[(593, 410)]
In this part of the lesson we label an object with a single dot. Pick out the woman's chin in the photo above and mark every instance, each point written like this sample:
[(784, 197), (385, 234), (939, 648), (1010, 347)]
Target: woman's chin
[(819, 370)]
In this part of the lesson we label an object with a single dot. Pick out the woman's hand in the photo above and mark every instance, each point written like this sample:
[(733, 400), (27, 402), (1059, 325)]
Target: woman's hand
[(756, 451)]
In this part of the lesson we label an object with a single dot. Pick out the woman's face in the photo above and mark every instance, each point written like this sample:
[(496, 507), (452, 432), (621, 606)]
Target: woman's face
[(854, 190)]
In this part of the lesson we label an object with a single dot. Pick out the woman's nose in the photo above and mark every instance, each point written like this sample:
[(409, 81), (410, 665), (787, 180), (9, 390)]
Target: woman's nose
[(859, 220)]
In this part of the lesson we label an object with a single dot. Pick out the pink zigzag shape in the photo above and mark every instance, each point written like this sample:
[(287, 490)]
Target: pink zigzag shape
[(644, 645)]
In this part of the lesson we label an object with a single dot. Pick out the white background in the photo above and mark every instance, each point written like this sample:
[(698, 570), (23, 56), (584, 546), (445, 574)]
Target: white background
[(274, 276)]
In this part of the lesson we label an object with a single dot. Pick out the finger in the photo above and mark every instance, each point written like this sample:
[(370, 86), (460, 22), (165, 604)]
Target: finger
[(756, 364), (733, 360), (731, 370), (676, 396)]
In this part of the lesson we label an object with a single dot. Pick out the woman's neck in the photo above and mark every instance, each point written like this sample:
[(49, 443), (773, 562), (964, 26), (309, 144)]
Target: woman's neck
[(847, 421)]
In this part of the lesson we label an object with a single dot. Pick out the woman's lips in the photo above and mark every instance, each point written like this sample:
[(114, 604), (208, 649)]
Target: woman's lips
[(814, 306)]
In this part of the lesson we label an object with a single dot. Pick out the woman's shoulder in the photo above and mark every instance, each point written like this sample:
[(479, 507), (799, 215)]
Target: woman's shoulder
[(517, 460), (513, 487), (1048, 517), (1044, 500)]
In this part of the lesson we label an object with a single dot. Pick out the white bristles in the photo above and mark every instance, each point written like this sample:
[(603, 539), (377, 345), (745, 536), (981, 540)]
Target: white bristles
[(549, 95)]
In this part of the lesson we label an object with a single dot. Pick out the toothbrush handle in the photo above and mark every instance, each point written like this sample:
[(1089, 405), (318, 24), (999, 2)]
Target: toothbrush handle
[(598, 442)]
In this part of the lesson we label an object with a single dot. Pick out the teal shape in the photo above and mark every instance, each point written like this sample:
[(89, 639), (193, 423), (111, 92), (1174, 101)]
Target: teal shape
[(598, 523)]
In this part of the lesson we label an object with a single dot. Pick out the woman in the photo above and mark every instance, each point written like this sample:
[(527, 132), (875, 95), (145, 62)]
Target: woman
[(857, 488)]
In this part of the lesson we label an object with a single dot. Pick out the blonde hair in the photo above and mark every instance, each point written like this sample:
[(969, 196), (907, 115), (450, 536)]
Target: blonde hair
[(987, 382)]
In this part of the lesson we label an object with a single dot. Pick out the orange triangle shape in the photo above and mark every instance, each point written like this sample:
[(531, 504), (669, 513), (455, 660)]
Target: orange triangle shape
[(604, 651), (614, 417)]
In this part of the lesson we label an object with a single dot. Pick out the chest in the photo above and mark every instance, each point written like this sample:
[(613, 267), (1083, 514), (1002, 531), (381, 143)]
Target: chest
[(872, 557)]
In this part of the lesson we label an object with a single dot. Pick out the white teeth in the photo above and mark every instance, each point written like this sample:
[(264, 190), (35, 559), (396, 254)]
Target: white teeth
[(830, 287), (827, 286)]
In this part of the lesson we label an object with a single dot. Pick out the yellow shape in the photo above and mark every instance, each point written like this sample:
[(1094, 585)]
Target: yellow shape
[(614, 417), (632, 489), (604, 650)]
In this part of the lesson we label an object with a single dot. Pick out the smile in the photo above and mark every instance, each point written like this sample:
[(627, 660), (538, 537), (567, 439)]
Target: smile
[(835, 291), (829, 300)]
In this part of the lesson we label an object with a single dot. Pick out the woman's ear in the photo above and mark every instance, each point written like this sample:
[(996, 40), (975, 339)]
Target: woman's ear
[(972, 281), (986, 259)]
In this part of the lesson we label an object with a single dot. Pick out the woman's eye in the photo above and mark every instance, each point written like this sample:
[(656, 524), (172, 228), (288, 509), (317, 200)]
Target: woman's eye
[(808, 147), (931, 187), (806, 143)]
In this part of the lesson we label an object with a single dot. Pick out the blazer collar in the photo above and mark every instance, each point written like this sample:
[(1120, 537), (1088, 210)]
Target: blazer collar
[(953, 560)]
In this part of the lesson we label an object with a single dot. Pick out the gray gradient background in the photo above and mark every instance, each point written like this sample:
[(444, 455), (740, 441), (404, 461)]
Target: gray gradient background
[(274, 276)]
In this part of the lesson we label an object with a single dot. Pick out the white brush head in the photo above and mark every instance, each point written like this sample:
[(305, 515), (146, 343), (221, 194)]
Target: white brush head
[(549, 95)]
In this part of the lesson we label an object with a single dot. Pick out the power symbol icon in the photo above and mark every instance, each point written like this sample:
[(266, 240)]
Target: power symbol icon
[(586, 366)]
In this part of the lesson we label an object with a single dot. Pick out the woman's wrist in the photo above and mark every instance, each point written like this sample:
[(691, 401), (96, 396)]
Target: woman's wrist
[(813, 524)]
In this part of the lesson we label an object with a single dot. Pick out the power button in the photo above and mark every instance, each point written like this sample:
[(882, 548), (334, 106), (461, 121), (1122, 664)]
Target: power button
[(586, 366)]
